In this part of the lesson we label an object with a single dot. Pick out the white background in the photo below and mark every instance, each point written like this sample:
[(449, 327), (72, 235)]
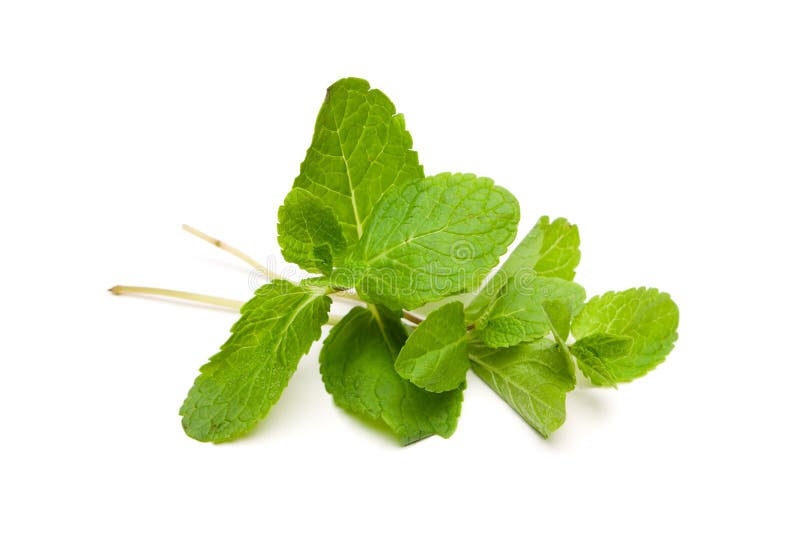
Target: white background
[(668, 131)]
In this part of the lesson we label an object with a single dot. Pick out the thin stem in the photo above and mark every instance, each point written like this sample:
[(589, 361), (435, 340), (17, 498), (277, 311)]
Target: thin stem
[(562, 345), (230, 304), (347, 296), (416, 319), (235, 251), (182, 295), (333, 319), (408, 316)]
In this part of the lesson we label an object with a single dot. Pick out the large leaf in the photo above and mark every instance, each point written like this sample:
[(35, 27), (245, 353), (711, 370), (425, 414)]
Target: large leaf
[(357, 366), (359, 150), (237, 387), (432, 238)]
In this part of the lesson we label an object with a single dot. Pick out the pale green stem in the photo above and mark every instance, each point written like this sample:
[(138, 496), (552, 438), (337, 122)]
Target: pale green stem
[(562, 345), (340, 294), (234, 305), (408, 316), (235, 251), (182, 295)]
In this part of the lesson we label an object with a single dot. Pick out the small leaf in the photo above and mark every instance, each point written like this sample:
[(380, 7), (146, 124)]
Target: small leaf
[(560, 313), (648, 316), (533, 378), (435, 355), (308, 232), (596, 355), (517, 313), (432, 238), (555, 246), (549, 249), (237, 387), (357, 366)]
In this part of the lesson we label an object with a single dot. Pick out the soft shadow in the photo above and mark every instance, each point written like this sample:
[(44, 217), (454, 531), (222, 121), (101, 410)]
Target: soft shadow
[(180, 303), (585, 407), (304, 387), (378, 429), (589, 400), (234, 265)]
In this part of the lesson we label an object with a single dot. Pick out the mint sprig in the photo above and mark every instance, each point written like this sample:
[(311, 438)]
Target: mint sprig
[(413, 254)]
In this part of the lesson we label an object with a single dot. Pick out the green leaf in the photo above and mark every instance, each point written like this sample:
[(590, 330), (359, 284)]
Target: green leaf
[(359, 150), (560, 313), (554, 247), (435, 355), (648, 316), (517, 313), (357, 366), (533, 378), (432, 238), (596, 353), (237, 387), (308, 232), (549, 249)]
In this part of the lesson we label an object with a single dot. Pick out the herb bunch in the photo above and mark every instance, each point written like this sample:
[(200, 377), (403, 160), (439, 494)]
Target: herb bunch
[(419, 252)]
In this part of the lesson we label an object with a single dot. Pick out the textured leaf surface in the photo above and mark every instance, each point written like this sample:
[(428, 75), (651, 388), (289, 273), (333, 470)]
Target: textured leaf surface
[(432, 238), (517, 313), (648, 316), (552, 249), (435, 355), (357, 366), (560, 313), (308, 232), (533, 378), (549, 249), (360, 148), (237, 387), (596, 355)]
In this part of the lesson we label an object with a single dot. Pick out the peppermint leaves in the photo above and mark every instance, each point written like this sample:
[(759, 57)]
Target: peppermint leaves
[(239, 385), (359, 150), (357, 362), (432, 238), (363, 216)]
